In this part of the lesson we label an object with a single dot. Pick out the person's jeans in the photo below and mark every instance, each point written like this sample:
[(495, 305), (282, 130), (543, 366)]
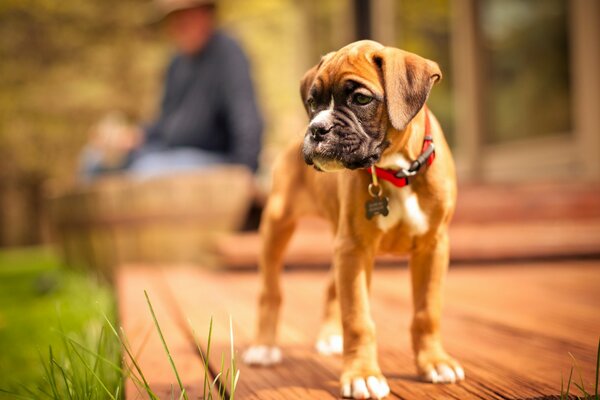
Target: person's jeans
[(149, 163)]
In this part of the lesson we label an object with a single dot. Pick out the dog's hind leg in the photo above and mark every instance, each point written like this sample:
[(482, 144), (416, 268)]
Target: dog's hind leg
[(330, 339)]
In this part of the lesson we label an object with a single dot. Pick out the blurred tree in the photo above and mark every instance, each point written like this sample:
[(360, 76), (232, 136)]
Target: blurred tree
[(64, 64), (423, 27)]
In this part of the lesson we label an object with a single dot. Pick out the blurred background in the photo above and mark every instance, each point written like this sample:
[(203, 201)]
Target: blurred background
[(519, 99)]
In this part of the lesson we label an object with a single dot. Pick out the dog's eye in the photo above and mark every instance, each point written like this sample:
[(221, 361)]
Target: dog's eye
[(361, 99), (311, 104)]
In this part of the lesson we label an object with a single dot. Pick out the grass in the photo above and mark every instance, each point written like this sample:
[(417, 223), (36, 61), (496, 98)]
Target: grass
[(43, 306), (58, 328), (565, 393), (217, 388)]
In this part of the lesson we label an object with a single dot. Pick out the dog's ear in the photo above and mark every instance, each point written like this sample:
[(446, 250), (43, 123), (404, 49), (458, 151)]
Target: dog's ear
[(306, 83), (307, 80), (407, 80)]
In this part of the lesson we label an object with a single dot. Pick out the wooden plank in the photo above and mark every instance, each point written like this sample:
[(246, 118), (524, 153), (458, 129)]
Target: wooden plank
[(511, 326), (202, 296), (141, 333)]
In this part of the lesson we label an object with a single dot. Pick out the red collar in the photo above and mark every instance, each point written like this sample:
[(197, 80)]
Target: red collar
[(401, 177)]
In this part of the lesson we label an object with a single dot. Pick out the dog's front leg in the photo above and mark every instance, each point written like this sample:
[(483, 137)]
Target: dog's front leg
[(277, 227), (361, 375), (428, 266)]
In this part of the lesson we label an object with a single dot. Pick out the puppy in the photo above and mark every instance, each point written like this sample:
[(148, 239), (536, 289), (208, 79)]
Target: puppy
[(382, 192)]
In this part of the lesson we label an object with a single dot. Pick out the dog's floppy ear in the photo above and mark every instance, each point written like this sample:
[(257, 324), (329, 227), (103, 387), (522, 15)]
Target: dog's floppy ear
[(307, 80), (306, 83), (407, 80)]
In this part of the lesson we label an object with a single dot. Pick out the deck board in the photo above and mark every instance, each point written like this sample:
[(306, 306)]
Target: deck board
[(144, 341), (473, 241), (512, 326)]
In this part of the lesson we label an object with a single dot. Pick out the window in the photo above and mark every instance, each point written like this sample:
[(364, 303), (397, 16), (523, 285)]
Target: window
[(526, 68)]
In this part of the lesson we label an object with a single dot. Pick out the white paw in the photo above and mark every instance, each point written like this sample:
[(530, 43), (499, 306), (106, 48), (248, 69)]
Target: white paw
[(444, 373), (331, 345), (262, 355), (371, 388)]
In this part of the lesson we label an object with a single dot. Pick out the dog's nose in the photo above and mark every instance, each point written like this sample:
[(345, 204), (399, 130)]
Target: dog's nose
[(320, 129)]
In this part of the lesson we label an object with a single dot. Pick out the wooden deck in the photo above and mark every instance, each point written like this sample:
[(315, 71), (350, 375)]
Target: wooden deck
[(512, 325)]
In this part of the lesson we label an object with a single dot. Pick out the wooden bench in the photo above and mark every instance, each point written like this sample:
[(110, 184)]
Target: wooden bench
[(174, 219)]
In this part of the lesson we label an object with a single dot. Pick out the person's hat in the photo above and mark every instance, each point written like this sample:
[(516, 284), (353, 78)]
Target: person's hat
[(162, 8)]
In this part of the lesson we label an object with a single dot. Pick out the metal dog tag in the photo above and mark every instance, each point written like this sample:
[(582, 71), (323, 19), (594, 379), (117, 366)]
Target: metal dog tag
[(377, 206)]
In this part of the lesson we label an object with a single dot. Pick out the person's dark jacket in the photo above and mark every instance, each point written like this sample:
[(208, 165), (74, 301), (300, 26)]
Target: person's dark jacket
[(209, 104)]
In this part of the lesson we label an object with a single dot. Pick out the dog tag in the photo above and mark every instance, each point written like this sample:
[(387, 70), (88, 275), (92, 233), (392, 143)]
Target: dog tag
[(377, 206)]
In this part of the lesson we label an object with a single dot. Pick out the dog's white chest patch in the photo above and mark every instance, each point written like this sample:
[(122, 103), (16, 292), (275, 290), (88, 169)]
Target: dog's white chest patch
[(403, 202), (403, 207)]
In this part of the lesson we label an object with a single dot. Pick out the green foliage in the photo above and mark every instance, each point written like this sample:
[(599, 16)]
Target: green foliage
[(48, 315), (64, 64), (59, 339), (423, 27)]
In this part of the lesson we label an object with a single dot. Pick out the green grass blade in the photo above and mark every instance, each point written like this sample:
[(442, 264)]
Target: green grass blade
[(232, 360), (220, 373), (96, 355), (208, 346), (235, 382), (225, 383), (206, 383), (17, 395), (98, 379), (214, 383), (582, 387), (597, 370), (164, 343), (99, 348), (569, 383), (143, 383), (132, 359), (50, 374), (562, 384), (64, 376)]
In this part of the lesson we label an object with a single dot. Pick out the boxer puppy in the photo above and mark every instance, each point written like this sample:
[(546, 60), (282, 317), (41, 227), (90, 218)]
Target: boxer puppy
[(368, 119)]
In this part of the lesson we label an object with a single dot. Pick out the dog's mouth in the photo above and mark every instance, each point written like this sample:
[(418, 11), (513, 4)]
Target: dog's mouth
[(337, 157)]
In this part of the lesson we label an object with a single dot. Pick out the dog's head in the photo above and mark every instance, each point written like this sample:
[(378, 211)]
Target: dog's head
[(355, 95)]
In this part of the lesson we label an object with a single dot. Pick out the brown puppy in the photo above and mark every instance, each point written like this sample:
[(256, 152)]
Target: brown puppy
[(366, 105)]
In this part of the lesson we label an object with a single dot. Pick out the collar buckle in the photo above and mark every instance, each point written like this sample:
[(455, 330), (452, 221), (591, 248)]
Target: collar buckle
[(406, 172)]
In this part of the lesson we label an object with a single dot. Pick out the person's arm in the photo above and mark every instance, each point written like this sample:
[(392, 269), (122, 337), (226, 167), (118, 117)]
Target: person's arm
[(242, 114), (154, 131)]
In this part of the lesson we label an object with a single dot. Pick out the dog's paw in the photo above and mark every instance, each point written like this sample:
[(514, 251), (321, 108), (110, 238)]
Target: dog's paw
[(440, 369), (330, 345), (371, 387), (262, 355)]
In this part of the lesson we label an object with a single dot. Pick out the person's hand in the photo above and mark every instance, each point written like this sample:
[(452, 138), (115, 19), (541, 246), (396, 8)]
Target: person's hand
[(114, 138)]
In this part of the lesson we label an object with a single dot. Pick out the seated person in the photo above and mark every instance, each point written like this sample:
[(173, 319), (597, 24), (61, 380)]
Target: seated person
[(208, 112)]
